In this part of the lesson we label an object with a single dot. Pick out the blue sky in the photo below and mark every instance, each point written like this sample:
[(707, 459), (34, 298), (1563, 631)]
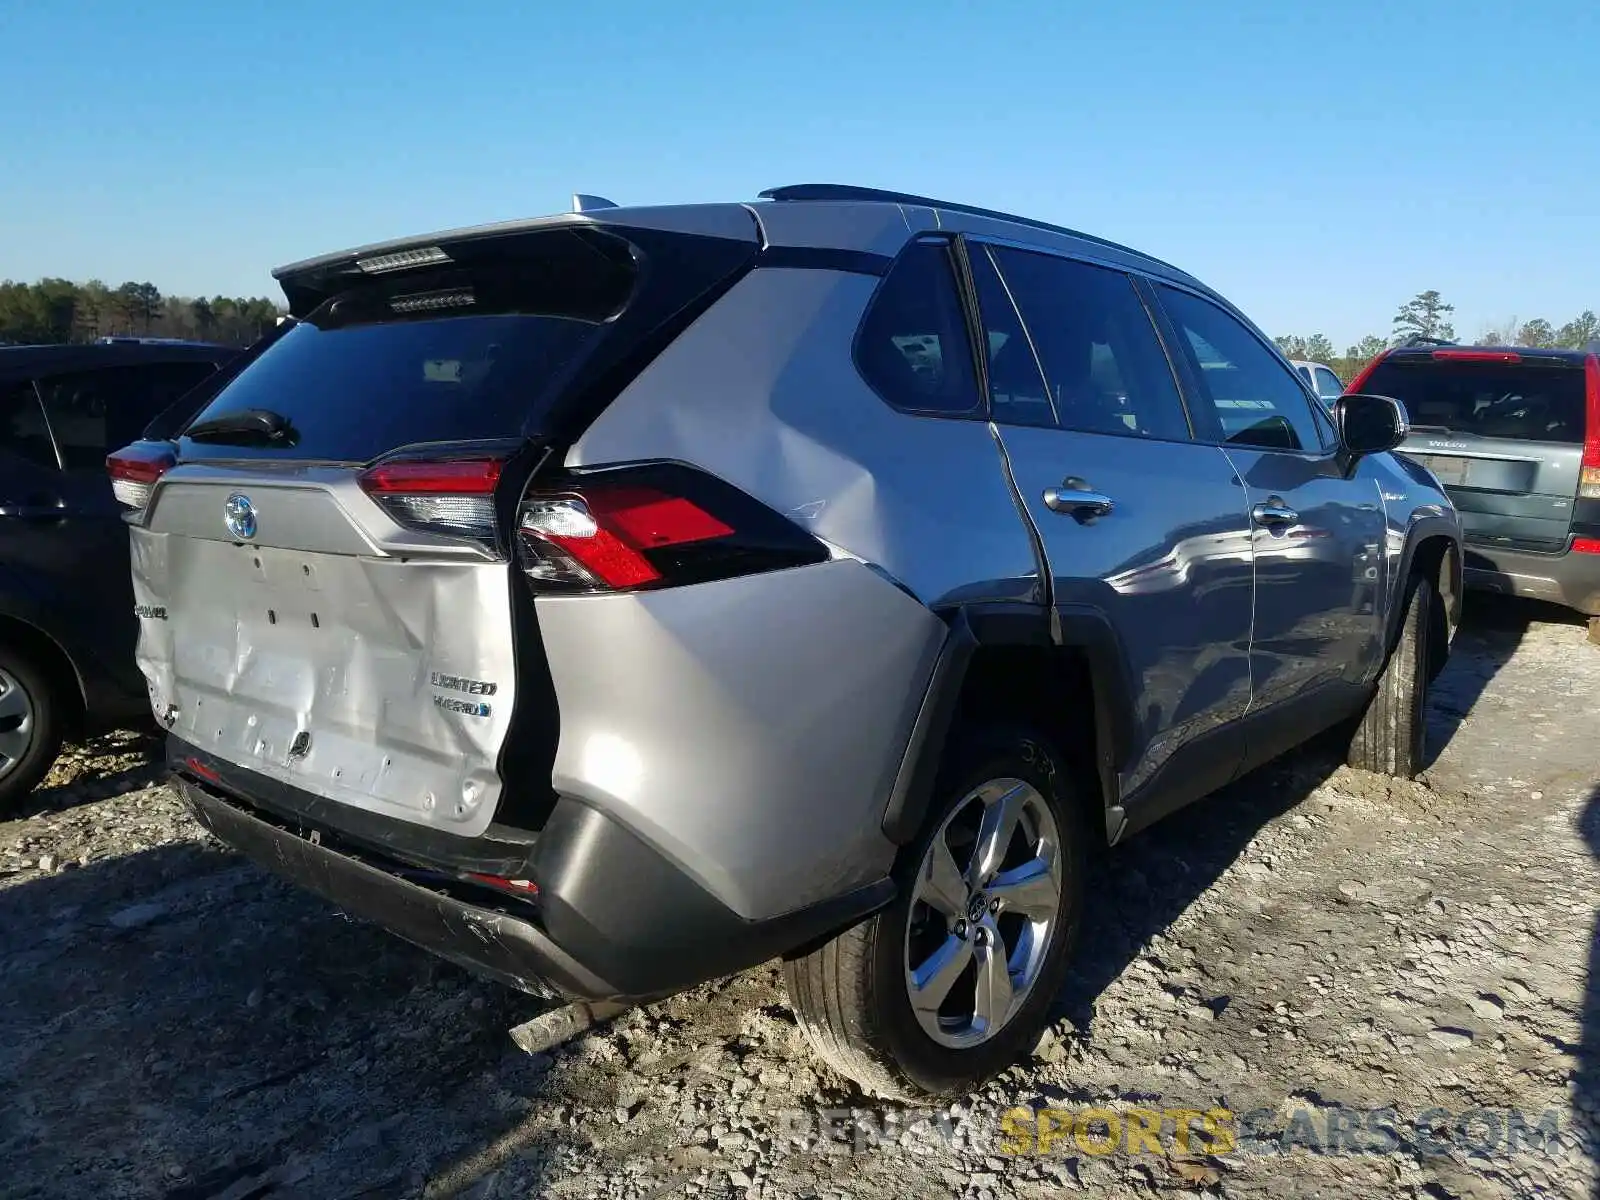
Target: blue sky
[(1319, 164)]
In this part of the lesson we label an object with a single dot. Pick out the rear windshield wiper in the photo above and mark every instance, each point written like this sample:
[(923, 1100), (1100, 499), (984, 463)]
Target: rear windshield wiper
[(245, 426)]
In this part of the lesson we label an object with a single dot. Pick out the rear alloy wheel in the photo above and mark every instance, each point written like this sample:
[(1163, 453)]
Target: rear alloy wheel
[(29, 734), (1391, 736), (947, 986), (979, 929)]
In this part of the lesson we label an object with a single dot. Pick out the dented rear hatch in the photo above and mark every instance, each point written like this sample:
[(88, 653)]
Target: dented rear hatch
[(324, 580)]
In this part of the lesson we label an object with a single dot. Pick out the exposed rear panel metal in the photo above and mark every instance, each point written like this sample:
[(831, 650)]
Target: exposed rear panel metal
[(749, 729)]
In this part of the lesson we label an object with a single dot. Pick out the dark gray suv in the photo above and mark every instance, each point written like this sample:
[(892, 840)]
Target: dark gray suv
[(622, 598)]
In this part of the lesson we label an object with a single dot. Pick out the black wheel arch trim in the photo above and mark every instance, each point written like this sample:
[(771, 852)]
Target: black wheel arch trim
[(1010, 623), (1422, 529)]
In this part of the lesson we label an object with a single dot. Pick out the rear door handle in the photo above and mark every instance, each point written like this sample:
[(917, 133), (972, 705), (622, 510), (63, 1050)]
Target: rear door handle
[(1274, 512), (1078, 503)]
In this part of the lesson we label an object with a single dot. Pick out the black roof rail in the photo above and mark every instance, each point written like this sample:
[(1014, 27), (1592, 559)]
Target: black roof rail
[(1419, 339), (847, 191)]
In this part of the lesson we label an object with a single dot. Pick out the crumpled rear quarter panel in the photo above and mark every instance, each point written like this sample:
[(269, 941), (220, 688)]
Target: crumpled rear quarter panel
[(749, 729)]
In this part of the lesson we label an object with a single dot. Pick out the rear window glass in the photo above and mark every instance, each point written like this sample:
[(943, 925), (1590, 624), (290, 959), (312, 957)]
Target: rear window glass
[(353, 393), (1485, 399), (93, 412), (455, 356)]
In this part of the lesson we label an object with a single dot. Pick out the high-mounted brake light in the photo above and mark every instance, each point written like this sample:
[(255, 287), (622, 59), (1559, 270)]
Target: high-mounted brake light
[(1589, 472), (402, 260), (134, 470), (434, 301), (1499, 356), (648, 527), (454, 496)]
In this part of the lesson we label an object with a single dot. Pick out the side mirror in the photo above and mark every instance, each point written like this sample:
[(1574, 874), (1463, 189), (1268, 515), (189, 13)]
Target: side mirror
[(1369, 424)]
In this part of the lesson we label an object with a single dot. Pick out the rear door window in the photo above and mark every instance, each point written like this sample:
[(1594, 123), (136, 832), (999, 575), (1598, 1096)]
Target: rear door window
[(913, 347), (1256, 398), (1527, 401), (94, 412), (1093, 339), (23, 431), (1018, 394)]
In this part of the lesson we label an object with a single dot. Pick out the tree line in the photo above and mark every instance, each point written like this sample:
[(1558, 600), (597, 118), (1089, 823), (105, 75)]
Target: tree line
[(1427, 315), (59, 310)]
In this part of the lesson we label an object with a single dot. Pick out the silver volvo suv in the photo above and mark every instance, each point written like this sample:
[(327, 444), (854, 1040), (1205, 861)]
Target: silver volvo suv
[(624, 598)]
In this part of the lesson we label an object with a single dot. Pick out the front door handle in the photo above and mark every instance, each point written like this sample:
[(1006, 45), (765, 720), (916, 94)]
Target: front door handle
[(1274, 512), (1077, 502)]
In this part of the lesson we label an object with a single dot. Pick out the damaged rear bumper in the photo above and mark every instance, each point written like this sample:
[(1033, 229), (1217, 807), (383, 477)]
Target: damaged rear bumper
[(1569, 579), (613, 917), (511, 949)]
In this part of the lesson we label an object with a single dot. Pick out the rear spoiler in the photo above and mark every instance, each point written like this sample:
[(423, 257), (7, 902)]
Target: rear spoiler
[(310, 282)]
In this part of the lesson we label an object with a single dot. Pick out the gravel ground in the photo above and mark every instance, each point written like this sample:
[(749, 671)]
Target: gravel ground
[(1304, 947)]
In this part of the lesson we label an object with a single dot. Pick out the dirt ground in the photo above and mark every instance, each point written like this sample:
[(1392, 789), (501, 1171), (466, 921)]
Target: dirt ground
[(1386, 987)]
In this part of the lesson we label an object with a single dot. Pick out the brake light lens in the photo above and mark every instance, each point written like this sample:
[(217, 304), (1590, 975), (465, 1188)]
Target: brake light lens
[(650, 527), (135, 469), (1499, 356), (519, 887), (451, 496), (1586, 545), (209, 774), (1589, 472)]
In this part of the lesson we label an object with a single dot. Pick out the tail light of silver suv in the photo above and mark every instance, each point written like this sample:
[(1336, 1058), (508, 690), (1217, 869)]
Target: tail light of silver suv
[(451, 496), (135, 469), (651, 526)]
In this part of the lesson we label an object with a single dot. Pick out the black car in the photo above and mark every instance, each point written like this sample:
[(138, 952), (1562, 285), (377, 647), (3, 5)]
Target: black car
[(67, 628)]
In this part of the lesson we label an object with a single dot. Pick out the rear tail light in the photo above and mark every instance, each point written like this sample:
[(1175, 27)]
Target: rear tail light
[(134, 470), (1589, 472), (452, 496), (650, 527), (1586, 545)]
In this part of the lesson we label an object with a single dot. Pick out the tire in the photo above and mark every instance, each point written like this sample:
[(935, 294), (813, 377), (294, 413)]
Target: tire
[(30, 726), (1390, 738), (852, 995)]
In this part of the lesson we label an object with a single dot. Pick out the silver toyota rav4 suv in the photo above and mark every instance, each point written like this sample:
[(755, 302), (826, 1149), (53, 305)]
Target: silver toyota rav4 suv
[(624, 598)]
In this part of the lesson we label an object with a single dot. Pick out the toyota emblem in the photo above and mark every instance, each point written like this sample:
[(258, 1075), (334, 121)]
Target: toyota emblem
[(239, 515)]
